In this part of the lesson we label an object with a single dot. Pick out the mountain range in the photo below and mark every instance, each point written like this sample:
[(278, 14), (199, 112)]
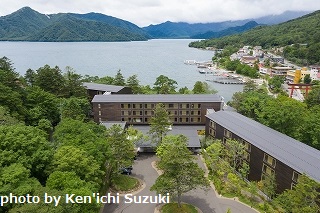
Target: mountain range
[(27, 24)]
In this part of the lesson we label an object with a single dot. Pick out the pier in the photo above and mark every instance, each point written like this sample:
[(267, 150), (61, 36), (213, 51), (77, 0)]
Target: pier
[(227, 80)]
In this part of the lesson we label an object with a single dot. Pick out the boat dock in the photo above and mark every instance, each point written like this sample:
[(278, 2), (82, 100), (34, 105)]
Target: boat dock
[(228, 79)]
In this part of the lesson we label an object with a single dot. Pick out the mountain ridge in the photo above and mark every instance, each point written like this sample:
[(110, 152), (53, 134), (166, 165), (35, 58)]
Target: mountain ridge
[(27, 24)]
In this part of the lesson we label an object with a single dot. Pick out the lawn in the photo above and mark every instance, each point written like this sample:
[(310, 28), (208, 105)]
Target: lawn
[(173, 208), (124, 183)]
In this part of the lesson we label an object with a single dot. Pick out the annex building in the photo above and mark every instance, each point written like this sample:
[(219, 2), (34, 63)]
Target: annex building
[(267, 151), (134, 109)]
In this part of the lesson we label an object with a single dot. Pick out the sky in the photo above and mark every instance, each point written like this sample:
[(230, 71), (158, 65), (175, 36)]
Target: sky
[(146, 12)]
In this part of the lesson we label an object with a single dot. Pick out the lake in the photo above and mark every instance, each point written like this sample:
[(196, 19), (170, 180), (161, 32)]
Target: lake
[(147, 59)]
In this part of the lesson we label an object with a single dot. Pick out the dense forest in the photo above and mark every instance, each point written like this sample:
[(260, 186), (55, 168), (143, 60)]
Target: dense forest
[(29, 25), (299, 37)]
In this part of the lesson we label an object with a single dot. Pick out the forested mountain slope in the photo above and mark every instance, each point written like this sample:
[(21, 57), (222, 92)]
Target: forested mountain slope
[(29, 25), (300, 37)]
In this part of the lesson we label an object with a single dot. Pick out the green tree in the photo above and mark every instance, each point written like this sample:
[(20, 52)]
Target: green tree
[(307, 79), (135, 135), (184, 90), (13, 101), (8, 76), (165, 85), (275, 83), (6, 118), (16, 179), (234, 153), (104, 80), (41, 105), (73, 159), (30, 77), (134, 83), (214, 153), (159, 124), (283, 114), (202, 88), (250, 86), (249, 103), (180, 173), (73, 84), (304, 197), (86, 136), (313, 98), (25, 145), (311, 127), (121, 150), (50, 80), (269, 185), (75, 108), (65, 181), (119, 79)]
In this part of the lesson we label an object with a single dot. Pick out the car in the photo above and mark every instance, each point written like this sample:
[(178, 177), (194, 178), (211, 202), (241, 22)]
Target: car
[(126, 170)]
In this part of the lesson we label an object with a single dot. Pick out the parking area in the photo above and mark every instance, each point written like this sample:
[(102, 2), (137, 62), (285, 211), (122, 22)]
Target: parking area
[(207, 201)]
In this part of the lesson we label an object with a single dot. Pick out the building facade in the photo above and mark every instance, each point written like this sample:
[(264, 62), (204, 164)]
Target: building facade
[(267, 151), (138, 109)]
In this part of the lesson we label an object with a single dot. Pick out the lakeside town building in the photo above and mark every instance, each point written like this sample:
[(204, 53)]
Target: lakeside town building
[(268, 152)]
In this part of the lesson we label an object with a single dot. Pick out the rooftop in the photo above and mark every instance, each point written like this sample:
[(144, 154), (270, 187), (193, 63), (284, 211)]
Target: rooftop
[(102, 87), (158, 98), (109, 124), (291, 152), (189, 131)]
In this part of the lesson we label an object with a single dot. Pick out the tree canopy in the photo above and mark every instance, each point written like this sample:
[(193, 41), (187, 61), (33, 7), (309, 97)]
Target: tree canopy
[(180, 173)]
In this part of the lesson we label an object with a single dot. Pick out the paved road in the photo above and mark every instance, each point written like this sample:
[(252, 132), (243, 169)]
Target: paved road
[(207, 201)]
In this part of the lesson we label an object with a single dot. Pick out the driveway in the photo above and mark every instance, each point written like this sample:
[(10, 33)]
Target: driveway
[(207, 201)]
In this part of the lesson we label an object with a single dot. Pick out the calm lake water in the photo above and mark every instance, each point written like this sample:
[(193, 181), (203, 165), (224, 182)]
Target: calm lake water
[(147, 59)]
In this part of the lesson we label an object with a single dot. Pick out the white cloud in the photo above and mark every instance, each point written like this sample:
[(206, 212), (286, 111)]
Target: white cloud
[(145, 12)]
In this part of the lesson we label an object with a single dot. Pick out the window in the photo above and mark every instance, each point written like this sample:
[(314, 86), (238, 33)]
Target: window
[(247, 145), (134, 106), (146, 120), (192, 112), (99, 112), (191, 120), (187, 120), (170, 105), (269, 160), (267, 170), (212, 132), (180, 119), (199, 120), (227, 133), (99, 106), (129, 105), (213, 124), (199, 105), (224, 140), (141, 106), (122, 106), (295, 176), (293, 185), (175, 119), (247, 156), (199, 112)]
